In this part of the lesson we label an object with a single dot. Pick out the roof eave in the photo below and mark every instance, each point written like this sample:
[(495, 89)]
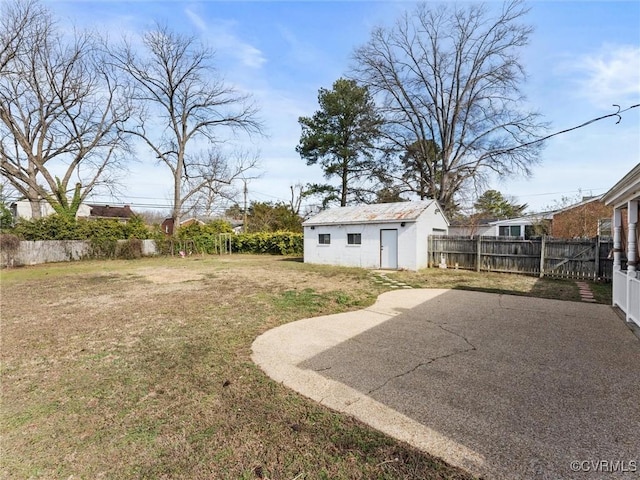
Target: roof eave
[(354, 222), (626, 188)]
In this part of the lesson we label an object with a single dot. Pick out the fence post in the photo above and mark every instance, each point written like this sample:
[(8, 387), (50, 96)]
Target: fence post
[(597, 262), (542, 249), (478, 253)]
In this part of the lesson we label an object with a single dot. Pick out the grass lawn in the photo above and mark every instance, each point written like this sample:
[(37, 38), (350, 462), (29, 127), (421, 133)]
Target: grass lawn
[(142, 369), (502, 283)]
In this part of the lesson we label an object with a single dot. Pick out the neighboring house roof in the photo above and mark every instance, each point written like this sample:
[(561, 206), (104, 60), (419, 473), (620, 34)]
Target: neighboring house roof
[(585, 201), (191, 221), (628, 188), (107, 211), (525, 220), (476, 222), (376, 213)]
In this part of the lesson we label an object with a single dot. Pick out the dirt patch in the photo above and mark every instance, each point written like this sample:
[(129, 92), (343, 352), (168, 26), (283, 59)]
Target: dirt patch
[(164, 275)]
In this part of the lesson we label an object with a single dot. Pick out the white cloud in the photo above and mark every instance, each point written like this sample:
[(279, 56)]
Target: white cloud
[(225, 42), (611, 75), (251, 56), (196, 19)]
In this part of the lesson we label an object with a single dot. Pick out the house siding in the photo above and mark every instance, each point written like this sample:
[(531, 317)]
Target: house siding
[(579, 222), (412, 241), (365, 255), (22, 209)]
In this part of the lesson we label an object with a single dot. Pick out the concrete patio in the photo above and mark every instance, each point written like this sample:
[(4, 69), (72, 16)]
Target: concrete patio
[(506, 387)]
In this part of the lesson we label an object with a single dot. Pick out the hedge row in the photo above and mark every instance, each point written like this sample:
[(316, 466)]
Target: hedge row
[(212, 238), (55, 227), (276, 243)]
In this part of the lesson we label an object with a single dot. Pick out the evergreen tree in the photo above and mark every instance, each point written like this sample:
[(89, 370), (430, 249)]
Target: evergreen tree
[(341, 137)]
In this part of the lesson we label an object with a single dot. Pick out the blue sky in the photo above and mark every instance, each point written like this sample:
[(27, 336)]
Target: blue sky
[(583, 57)]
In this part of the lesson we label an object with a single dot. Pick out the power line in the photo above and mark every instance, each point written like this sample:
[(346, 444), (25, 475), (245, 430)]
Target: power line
[(562, 193), (539, 140)]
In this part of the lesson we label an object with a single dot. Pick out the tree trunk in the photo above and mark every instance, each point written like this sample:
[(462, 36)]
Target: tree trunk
[(345, 172)]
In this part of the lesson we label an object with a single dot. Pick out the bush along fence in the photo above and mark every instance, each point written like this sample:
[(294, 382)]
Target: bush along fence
[(17, 252), (273, 243), (14, 253), (586, 259)]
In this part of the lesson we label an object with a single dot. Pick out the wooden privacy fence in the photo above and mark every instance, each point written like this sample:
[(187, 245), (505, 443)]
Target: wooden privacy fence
[(548, 257)]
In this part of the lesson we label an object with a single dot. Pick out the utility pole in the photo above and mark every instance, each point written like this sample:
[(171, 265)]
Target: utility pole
[(244, 217)]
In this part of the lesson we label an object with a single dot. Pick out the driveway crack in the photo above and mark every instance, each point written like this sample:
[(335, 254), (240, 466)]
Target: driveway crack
[(471, 348), (466, 340), (322, 369)]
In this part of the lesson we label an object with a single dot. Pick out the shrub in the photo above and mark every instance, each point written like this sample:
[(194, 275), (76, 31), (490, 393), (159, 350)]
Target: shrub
[(129, 249), (103, 234), (103, 247), (276, 243), (203, 238), (9, 243), (53, 227), (100, 231)]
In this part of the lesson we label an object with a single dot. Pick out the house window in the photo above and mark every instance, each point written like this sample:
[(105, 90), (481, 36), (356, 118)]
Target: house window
[(354, 238), (530, 232), (509, 231), (324, 238)]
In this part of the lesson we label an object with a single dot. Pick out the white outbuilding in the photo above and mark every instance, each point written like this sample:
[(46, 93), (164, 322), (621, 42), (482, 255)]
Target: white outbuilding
[(386, 235)]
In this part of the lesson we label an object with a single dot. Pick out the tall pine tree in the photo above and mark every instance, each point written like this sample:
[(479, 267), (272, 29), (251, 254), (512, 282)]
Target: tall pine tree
[(341, 137)]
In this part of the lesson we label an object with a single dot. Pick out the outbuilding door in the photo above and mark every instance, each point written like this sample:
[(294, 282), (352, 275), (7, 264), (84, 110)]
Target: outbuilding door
[(389, 249)]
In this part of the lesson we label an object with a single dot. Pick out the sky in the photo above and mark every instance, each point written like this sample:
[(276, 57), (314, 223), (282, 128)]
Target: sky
[(583, 57)]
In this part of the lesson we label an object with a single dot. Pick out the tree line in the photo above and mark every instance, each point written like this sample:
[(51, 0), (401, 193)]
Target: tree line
[(430, 107), (72, 105)]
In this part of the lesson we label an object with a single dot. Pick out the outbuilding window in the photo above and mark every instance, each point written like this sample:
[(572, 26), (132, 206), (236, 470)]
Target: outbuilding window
[(354, 238), (324, 238)]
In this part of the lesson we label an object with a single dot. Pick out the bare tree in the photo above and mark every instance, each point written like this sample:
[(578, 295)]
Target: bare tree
[(21, 23), (209, 180), (183, 105), (61, 109), (451, 76)]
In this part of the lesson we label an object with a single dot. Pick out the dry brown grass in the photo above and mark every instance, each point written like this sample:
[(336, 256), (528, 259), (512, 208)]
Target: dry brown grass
[(142, 369)]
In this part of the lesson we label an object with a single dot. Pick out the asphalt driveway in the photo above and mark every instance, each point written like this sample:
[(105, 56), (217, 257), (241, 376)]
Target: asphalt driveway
[(505, 387)]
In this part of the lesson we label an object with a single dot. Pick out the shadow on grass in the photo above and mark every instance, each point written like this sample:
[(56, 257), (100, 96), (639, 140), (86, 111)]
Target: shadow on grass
[(550, 289), (493, 282), (291, 259)]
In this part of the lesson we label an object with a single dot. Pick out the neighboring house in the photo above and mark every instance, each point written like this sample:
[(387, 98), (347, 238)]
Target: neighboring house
[(169, 223), (471, 227), (167, 226), (625, 196), (236, 225), (191, 221), (522, 227), (22, 209), (582, 220), (386, 235)]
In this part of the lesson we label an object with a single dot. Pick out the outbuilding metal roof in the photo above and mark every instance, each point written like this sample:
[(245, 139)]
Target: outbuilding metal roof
[(377, 213)]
